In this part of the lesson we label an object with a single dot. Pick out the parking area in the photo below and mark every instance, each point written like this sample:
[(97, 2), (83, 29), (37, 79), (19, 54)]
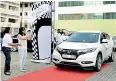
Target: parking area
[(29, 66), (107, 74)]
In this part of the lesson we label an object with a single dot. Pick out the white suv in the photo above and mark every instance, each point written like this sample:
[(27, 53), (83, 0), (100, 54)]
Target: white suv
[(85, 49)]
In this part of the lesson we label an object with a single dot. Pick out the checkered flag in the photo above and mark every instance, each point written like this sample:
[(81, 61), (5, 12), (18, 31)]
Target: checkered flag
[(40, 19)]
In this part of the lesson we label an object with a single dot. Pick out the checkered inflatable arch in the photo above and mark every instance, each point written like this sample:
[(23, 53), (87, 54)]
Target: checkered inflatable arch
[(43, 19)]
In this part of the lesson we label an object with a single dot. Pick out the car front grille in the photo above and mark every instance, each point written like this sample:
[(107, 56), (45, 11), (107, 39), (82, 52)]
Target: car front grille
[(70, 63), (69, 52)]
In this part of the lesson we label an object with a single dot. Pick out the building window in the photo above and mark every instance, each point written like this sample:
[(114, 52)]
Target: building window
[(2, 6), (68, 3), (107, 16), (60, 16), (26, 4), (81, 3), (71, 3), (15, 31), (13, 8), (109, 2), (20, 14), (80, 16), (12, 20), (21, 5), (3, 14), (31, 4), (25, 25), (115, 15), (113, 2), (2, 19), (111, 15), (65, 3), (26, 13), (12, 15), (9, 2), (95, 16), (61, 4)]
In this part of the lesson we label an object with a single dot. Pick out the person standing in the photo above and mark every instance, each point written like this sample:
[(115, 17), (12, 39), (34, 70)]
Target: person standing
[(62, 32), (6, 48), (22, 38), (58, 37)]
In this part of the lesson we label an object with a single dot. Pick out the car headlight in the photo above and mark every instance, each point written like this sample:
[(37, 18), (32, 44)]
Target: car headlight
[(58, 49), (84, 51)]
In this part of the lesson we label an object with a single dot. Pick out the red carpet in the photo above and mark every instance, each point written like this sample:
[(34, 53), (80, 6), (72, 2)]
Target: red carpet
[(52, 73)]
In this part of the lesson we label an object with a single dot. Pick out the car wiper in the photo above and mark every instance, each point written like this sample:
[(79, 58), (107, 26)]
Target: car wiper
[(74, 41), (91, 42)]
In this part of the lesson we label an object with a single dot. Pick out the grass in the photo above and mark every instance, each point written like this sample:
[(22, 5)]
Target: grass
[(107, 25)]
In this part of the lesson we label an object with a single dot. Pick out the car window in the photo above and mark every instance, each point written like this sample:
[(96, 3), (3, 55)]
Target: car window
[(114, 38), (84, 37)]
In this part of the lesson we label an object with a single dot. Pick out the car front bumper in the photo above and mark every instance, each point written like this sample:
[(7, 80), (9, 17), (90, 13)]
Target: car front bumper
[(85, 60)]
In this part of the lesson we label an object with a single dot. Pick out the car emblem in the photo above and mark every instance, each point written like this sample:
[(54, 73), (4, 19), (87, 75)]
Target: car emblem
[(63, 50), (69, 51)]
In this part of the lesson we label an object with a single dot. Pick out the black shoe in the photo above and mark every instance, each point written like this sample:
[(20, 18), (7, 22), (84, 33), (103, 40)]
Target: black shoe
[(7, 73)]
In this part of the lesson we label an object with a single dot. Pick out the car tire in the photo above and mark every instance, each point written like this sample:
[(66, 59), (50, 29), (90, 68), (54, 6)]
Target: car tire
[(59, 65), (115, 49), (98, 63), (111, 58)]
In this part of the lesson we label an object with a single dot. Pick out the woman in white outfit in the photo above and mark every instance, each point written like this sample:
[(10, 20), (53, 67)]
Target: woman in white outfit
[(22, 38), (6, 48)]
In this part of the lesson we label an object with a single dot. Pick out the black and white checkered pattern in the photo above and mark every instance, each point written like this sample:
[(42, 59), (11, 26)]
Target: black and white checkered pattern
[(36, 5), (44, 17)]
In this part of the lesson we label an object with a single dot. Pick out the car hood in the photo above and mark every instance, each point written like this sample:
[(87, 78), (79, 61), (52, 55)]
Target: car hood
[(72, 45)]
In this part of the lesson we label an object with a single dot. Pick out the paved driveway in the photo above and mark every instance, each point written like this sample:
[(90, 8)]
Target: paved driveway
[(107, 74)]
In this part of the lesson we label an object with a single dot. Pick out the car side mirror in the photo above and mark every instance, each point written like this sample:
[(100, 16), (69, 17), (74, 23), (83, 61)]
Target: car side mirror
[(104, 41), (65, 40)]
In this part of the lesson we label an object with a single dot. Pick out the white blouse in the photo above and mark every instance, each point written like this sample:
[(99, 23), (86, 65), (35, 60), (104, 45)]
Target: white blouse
[(7, 39), (23, 44)]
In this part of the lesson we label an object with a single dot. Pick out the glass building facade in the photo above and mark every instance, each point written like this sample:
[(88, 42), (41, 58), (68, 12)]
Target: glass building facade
[(109, 2), (71, 3), (110, 15), (83, 3)]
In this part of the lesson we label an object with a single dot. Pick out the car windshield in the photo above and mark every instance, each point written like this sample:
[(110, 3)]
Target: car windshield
[(114, 38), (84, 37)]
